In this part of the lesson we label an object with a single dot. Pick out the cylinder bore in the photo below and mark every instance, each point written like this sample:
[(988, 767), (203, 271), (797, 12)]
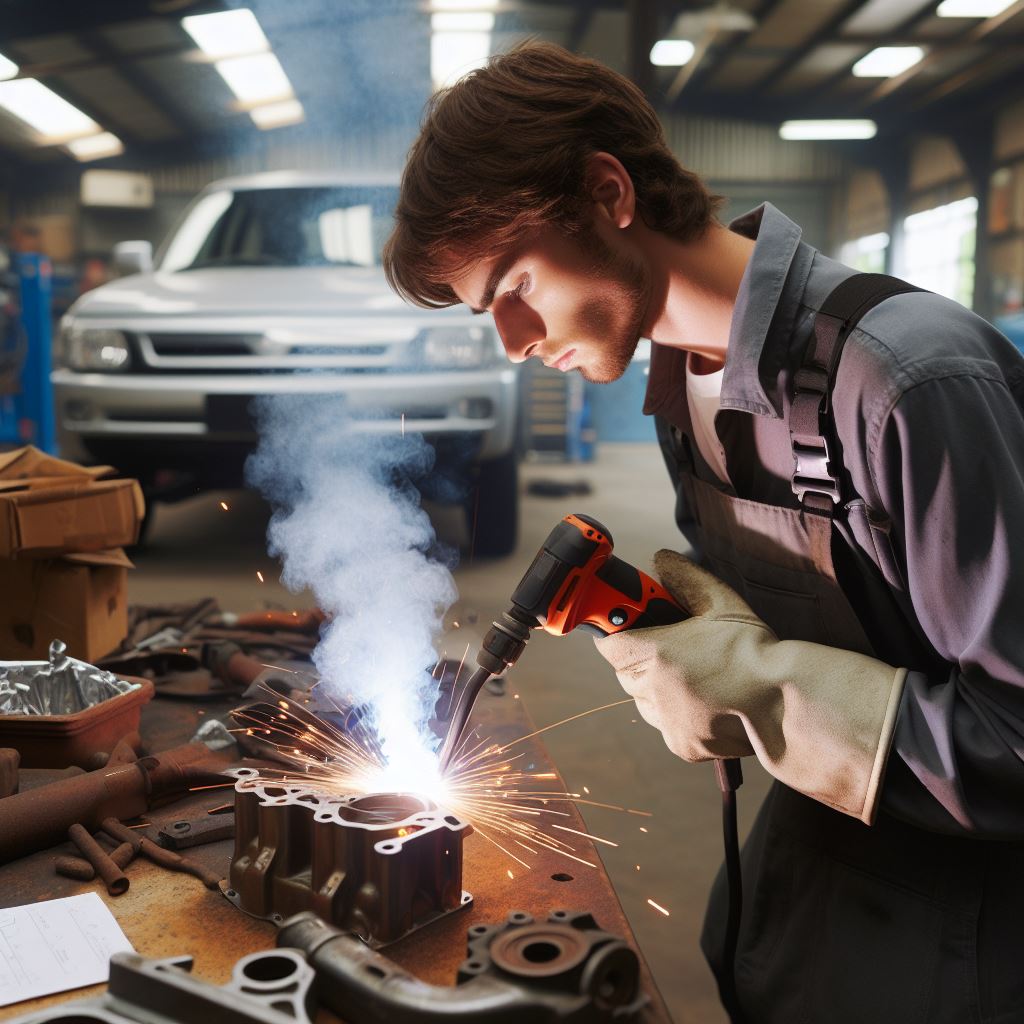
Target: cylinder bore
[(384, 808)]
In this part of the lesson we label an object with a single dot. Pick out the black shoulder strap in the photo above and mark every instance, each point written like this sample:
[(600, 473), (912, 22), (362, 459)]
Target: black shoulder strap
[(816, 461)]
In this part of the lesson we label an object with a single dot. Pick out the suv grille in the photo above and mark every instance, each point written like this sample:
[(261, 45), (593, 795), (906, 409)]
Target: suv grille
[(163, 352)]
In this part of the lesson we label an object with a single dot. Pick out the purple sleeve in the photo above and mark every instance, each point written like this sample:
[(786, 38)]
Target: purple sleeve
[(949, 469)]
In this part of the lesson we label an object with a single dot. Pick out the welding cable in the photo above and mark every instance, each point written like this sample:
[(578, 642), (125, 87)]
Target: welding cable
[(729, 774)]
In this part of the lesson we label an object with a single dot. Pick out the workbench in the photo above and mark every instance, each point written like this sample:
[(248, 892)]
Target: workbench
[(167, 914)]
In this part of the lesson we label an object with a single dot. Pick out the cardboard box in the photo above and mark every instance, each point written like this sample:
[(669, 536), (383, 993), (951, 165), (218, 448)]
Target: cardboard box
[(49, 506), (81, 599)]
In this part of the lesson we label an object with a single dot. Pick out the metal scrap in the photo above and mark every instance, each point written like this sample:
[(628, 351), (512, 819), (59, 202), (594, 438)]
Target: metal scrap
[(36, 819), (158, 855), (101, 862), (60, 686)]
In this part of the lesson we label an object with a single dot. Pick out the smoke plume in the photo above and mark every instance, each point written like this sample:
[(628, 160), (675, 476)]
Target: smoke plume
[(347, 523)]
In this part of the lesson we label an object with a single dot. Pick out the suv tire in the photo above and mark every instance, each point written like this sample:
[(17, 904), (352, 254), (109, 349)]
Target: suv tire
[(492, 508)]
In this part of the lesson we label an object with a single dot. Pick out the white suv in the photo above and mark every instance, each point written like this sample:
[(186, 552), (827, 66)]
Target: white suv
[(271, 284)]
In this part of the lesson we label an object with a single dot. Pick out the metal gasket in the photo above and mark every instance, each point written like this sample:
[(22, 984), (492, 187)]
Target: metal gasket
[(378, 866)]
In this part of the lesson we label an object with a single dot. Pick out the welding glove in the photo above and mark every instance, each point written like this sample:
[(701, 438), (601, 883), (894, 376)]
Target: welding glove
[(721, 684)]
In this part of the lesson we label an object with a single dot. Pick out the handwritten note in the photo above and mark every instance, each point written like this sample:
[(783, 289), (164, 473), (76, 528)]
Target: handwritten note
[(56, 945)]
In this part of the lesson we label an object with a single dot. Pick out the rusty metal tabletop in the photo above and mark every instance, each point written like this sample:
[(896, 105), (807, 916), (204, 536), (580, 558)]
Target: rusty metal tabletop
[(165, 913)]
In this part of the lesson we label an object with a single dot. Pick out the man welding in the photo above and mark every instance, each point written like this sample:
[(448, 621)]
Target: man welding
[(856, 496)]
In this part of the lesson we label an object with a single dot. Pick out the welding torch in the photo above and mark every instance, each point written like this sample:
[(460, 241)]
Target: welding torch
[(575, 581)]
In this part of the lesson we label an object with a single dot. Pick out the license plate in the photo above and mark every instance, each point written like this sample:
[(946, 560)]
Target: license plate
[(230, 414)]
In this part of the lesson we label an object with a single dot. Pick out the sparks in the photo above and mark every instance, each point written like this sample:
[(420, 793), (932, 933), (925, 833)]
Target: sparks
[(224, 505), (259, 576), (587, 791), (510, 875), (403, 424), (658, 907), (642, 829), (486, 783)]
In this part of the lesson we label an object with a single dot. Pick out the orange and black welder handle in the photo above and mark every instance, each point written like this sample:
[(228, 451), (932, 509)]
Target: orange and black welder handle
[(575, 582)]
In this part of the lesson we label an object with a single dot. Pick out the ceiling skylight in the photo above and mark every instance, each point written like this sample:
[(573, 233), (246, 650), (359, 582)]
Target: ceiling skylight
[(42, 109), (887, 61), (226, 33)]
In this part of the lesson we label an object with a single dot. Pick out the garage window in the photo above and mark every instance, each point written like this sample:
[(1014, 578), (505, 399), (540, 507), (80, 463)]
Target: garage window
[(866, 253), (938, 251)]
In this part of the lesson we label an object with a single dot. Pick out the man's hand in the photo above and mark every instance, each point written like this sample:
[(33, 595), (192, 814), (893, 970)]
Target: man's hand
[(721, 684)]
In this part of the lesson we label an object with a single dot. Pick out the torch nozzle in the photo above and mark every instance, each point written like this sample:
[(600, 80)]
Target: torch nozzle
[(504, 643)]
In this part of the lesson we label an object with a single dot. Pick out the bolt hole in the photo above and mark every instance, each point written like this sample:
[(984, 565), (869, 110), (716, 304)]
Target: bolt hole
[(478, 929), (387, 846), (451, 819), (541, 952), (181, 825), (270, 968), (377, 972), (232, 893), (518, 917), (474, 965), (561, 876), (558, 913)]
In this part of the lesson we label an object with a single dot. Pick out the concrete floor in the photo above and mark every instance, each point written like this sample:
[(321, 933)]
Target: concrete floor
[(197, 549)]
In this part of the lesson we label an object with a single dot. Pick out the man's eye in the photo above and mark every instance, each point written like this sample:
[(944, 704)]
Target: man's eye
[(518, 290)]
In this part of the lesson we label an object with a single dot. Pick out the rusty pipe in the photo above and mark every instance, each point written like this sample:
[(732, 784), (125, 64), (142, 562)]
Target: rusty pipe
[(127, 749), (39, 818), (159, 855), (102, 863), (76, 867), (10, 760)]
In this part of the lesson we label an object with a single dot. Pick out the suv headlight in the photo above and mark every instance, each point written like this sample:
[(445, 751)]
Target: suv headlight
[(95, 348), (461, 348)]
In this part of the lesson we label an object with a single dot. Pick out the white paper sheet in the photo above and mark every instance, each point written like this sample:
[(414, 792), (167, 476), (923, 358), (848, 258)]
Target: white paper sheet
[(56, 945)]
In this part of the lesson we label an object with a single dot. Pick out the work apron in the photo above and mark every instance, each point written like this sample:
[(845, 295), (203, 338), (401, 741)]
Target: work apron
[(845, 923)]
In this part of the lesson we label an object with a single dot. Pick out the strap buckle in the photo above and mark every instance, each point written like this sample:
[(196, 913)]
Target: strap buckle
[(813, 471)]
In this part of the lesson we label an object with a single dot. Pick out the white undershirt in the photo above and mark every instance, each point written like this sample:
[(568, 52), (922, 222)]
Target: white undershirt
[(704, 395)]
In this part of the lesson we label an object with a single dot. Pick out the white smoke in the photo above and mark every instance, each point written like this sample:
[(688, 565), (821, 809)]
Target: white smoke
[(348, 524)]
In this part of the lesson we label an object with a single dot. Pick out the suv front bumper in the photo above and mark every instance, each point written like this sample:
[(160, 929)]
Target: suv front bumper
[(149, 408)]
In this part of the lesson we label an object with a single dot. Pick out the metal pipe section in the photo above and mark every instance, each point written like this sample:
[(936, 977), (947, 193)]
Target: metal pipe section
[(358, 983), (39, 818)]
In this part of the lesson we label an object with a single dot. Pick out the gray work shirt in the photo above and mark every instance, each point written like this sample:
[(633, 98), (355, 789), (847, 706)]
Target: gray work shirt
[(928, 412)]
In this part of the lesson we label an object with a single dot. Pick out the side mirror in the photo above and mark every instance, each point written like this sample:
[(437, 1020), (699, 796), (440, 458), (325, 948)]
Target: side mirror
[(133, 257)]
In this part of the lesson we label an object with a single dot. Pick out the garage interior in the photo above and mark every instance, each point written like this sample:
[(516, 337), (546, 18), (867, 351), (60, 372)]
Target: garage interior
[(153, 115)]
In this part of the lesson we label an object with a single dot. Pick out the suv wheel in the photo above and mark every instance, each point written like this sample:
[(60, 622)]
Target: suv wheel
[(492, 509)]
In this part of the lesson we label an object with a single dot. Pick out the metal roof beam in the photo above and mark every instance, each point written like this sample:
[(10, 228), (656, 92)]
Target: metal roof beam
[(717, 56), (937, 52)]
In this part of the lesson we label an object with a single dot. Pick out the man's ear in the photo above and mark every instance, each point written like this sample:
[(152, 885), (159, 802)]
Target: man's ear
[(611, 189)]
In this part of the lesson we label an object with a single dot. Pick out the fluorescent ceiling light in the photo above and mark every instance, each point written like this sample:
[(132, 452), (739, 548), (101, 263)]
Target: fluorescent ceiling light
[(671, 53), (834, 129), (227, 33), (278, 115), (45, 111), (887, 61), (96, 147), (8, 69), (972, 8), (454, 54), (462, 21), (256, 78)]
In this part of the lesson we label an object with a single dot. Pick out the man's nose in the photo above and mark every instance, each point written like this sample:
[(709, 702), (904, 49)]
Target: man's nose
[(521, 331)]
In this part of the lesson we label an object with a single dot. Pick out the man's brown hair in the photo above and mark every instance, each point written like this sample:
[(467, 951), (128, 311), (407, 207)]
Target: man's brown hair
[(504, 151)]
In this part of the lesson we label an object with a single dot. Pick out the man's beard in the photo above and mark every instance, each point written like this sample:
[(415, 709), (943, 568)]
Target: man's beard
[(615, 320)]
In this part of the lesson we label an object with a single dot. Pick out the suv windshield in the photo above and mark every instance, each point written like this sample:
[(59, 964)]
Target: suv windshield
[(283, 227)]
